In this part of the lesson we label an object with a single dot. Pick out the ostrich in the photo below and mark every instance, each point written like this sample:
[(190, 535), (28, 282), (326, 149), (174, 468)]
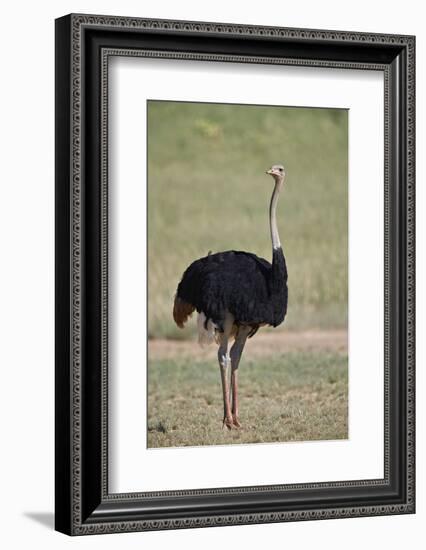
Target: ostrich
[(234, 294)]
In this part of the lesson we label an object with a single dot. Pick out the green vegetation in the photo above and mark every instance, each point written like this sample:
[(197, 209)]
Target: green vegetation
[(208, 191), (297, 396)]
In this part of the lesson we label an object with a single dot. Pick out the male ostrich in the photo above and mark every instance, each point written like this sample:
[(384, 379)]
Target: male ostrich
[(234, 294)]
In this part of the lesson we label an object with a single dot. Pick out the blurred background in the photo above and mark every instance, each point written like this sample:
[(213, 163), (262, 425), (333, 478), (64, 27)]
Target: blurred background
[(208, 191)]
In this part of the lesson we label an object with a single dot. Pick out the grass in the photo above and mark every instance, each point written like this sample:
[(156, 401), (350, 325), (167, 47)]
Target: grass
[(296, 396), (207, 190)]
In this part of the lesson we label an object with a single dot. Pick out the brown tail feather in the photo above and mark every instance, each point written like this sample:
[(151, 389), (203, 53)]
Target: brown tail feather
[(181, 311)]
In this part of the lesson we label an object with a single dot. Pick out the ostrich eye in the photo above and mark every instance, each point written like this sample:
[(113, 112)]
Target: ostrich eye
[(280, 169)]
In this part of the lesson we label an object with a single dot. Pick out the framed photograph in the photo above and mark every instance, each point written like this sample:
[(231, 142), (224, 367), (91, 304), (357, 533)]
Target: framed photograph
[(234, 274)]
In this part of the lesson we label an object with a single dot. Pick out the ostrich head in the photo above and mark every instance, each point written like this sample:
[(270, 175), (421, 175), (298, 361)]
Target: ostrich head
[(277, 172)]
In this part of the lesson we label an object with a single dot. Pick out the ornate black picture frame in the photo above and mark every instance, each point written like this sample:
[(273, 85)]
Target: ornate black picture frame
[(84, 44)]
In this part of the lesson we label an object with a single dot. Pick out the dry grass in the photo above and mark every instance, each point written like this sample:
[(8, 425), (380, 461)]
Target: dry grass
[(299, 395)]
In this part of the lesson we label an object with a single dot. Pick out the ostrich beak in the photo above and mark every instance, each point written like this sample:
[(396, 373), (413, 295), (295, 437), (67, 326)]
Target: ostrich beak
[(272, 172)]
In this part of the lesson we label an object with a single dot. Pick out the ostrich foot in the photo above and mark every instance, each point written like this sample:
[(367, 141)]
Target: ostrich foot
[(228, 422), (236, 422)]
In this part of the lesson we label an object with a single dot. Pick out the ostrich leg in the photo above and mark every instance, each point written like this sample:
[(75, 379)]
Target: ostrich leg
[(236, 352), (224, 360)]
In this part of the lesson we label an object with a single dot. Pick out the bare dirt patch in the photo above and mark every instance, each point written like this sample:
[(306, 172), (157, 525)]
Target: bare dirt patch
[(261, 345)]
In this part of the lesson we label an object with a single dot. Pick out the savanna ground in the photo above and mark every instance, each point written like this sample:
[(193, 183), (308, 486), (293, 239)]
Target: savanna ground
[(291, 389), (207, 190)]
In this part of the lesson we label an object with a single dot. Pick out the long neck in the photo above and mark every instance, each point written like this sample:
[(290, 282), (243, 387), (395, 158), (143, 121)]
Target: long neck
[(278, 280), (273, 215)]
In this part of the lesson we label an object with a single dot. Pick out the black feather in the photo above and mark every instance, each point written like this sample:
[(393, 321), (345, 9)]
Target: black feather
[(250, 288)]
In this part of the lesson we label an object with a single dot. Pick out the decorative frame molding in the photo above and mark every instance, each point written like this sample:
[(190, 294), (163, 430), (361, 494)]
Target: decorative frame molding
[(84, 43)]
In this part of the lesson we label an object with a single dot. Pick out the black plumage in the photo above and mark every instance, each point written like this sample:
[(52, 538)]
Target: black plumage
[(252, 289)]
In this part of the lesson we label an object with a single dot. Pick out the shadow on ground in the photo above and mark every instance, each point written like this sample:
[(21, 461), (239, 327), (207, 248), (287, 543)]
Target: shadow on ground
[(47, 519)]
